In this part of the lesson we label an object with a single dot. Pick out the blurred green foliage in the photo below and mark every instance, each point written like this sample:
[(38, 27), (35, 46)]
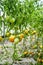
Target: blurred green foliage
[(24, 12)]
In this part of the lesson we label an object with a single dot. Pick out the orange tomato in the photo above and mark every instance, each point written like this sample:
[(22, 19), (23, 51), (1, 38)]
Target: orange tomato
[(11, 38), (30, 52)]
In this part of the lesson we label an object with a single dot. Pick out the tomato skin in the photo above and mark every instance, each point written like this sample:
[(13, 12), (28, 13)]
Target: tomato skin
[(11, 38), (26, 31), (1, 46), (39, 60), (42, 60), (16, 40), (41, 46), (8, 34), (30, 52), (35, 46), (25, 52), (21, 36), (1, 38), (34, 32), (7, 18), (12, 20), (38, 54)]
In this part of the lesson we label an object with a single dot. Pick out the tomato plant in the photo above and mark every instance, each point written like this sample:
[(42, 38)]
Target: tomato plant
[(25, 20)]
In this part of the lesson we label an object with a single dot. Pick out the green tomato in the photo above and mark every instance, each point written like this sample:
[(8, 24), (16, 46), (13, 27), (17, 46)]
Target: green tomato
[(12, 20), (35, 46), (16, 40), (7, 18)]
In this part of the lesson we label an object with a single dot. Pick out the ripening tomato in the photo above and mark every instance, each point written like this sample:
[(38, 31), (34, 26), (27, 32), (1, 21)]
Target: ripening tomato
[(26, 31), (42, 60), (34, 32), (25, 52), (8, 34), (31, 52), (41, 46), (1, 38), (21, 36), (35, 46), (38, 54), (39, 60), (11, 38), (1, 47)]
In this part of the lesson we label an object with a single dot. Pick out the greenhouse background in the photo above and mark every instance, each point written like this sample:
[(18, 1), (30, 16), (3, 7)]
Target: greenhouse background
[(21, 32)]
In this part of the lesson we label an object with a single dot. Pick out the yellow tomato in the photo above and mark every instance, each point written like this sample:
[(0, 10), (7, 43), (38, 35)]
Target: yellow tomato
[(21, 36), (0, 46), (38, 43), (42, 60), (39, 60), (26, 31), (25, 52), (41, 46), (11, 38), (30, 52), (34, 32), (39, 54), (8, 34), (1, 38)]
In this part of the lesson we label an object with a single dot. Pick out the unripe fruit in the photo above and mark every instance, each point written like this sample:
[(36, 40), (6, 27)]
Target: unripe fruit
[(12, 20), (16, 40)]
